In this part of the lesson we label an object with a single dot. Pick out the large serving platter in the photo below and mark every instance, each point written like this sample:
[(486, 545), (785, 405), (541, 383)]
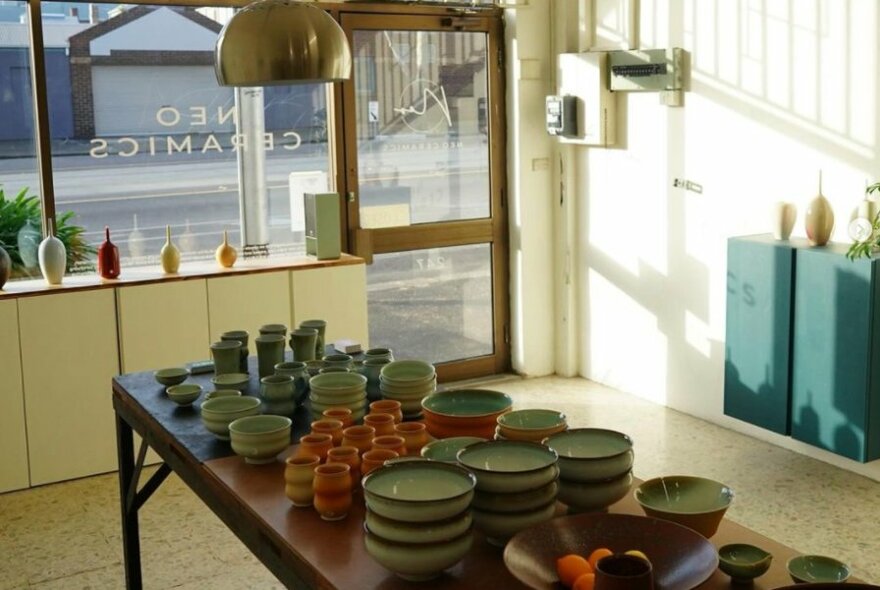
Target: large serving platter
[(682, 559)]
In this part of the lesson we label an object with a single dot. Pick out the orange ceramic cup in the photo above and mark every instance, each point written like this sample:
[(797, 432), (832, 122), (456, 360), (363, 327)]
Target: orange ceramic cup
[(351, 457), (329, 426), (387, 406), (414, 434), (392, 442), (315, 444), (299, 475), (359, 436), (383, 423), (341, 414), (332, 489), (375, 459)]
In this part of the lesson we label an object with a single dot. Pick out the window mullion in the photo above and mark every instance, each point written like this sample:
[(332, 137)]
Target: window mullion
[(41, 111)]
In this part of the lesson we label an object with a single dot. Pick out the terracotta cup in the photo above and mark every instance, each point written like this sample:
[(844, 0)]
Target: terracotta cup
[(414, 434), (624, 572), (329, 426), (376, 458), (341, 414), (359, 436), (315, 444), (351, 457), (299, 475), (383, 423), (332, 488), (387, 406), (392, 442)]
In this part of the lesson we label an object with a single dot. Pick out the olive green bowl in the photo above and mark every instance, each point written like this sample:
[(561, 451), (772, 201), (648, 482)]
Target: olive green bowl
[(417, 562), (591, 454), (260, 438), (695, 502), (817, 568), (185, 394), (531, 424), (330, 383), (171, 376), (419, 533), (237, 381), (222, 393), (445, 449), (595, 495), (407, 372), (219, 412), (743, 562), (510, 466)]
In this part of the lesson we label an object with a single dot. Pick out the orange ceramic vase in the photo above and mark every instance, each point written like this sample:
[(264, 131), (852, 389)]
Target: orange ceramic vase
[(351, 457), (383, 423), (414, 434), (341, 414), (391, 442), (329, 426), (315, 444), (375, 459), (359, 436), (387, 406), (299, 475), (332, 490)]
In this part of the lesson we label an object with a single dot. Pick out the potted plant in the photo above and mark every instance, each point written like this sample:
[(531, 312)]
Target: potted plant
[(864, 248)]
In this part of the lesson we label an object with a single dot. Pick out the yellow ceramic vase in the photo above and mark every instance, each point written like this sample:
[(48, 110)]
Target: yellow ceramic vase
[(225, 254)]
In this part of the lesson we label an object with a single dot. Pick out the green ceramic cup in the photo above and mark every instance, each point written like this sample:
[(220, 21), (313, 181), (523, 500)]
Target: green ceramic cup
[(321, 327), (302, 342), (270, 352), (743, 562), (227, 356)]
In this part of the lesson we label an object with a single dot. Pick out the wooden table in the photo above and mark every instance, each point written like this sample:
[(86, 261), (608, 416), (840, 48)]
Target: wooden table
[(300, 549)]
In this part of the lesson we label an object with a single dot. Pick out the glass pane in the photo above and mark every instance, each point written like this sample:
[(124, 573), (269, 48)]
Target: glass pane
[(423, 151), (143, 136), (433, 304), (19, 219)]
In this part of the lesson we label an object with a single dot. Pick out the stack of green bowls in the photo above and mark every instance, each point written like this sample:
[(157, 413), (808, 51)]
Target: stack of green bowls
[(418, 522), (338, 390), (408, 382)]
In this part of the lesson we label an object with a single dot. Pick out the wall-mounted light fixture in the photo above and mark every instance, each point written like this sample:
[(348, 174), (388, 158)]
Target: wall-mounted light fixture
[(273, 42)]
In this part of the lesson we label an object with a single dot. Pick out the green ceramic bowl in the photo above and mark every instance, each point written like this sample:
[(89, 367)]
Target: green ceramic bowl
[(419, 491), (406, 372), (184, 395), (417, 562), (260, 438), (695, 502), (817, 568), (445, 449), (596, 495), (217, 413), (221, 393), (534, 424), (510, 466), (743, 562), (419, 532), (338, 382), (237, 381), (171, 376), (499, 527), (519, 502), (591, 454)]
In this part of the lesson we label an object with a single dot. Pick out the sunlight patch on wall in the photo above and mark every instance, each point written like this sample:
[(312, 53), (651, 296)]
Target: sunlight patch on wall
[(696, 334)]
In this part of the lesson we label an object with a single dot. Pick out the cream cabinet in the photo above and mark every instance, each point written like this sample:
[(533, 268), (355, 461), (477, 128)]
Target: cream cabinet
[(69, 354), (13, 436), (246, 302), (338, 295), (163, 325)]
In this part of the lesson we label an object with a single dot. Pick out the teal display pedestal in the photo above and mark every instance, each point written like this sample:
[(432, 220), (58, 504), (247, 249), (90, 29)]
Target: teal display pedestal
[(836, 355), (760, 275)]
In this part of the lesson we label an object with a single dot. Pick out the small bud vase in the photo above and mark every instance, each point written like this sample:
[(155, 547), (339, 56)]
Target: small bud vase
[(225, 254), (819, 220), (53, 257), (784, 216), (108, 257), (170, 255)]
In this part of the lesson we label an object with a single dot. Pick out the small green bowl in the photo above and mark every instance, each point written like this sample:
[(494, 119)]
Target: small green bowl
[(743, 562), (404, 372), (222, 393), (237, 381), (817, 568), (510, 466), (171, 376), (259, 439), (184, 395), (445, 449)]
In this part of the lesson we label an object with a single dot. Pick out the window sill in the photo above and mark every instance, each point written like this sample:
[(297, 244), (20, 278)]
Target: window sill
[(188, 271)]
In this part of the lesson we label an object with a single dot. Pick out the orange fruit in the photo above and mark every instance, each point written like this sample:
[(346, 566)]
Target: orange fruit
[(598, 554), (570, 567), (637, 553), (585, 582)]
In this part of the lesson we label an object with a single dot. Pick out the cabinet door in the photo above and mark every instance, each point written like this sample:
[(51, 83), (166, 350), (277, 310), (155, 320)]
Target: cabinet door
[(337, 294), (13, 437), (163, 325), (69, 354), (246, 302)]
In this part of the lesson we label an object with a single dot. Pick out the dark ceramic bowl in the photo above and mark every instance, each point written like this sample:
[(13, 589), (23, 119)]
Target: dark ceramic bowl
[(817, 568), (743, 562), (681, 558), (695, 502)]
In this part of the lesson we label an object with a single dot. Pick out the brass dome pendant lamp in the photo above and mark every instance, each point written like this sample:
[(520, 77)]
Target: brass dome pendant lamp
[(272, 42)]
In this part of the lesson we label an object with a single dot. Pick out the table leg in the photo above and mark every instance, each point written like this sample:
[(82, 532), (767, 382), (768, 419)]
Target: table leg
[(131, 544)]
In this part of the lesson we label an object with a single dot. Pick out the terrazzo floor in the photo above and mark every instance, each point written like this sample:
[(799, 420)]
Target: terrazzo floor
[(66, 536)]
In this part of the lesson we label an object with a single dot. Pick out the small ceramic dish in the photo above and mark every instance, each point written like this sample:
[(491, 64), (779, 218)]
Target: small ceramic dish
[(510, 466), (184, 395), (532, 424), (260, 438), (171, 376), (591, 454), (407, 372), (217, 413), (221, 393), (817, 568), (695, 502), (237, 381), (445, 449), (743, 562)]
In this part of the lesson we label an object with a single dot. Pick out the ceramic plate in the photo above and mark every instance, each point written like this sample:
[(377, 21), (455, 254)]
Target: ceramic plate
[(682, 559), (467, 403)]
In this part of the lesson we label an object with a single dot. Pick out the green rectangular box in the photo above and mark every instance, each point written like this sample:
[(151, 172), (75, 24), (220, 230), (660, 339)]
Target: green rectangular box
[(323, 238)]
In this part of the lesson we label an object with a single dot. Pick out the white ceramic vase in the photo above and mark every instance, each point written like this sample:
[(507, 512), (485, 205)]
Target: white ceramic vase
[(784, 216), (52, 256)]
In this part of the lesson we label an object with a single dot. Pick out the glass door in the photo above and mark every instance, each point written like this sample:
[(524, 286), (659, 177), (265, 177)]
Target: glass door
[(424, 172)]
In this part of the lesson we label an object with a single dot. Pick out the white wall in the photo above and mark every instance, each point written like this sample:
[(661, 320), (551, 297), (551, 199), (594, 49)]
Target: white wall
[(777, 93)]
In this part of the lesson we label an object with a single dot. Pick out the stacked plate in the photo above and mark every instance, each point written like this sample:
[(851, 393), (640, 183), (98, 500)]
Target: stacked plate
[(516, 486), (418, 521), (338, 390), (408, 382), (533, 425)]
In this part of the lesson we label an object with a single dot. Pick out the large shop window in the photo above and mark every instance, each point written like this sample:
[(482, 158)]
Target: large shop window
[(142, 136)]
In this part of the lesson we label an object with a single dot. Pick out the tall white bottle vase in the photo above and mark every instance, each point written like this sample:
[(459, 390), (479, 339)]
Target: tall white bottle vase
[(53, 257), (784, 217)]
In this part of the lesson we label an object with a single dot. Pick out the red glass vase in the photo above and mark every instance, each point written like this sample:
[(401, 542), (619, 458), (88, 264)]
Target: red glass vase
[(108, 257)]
